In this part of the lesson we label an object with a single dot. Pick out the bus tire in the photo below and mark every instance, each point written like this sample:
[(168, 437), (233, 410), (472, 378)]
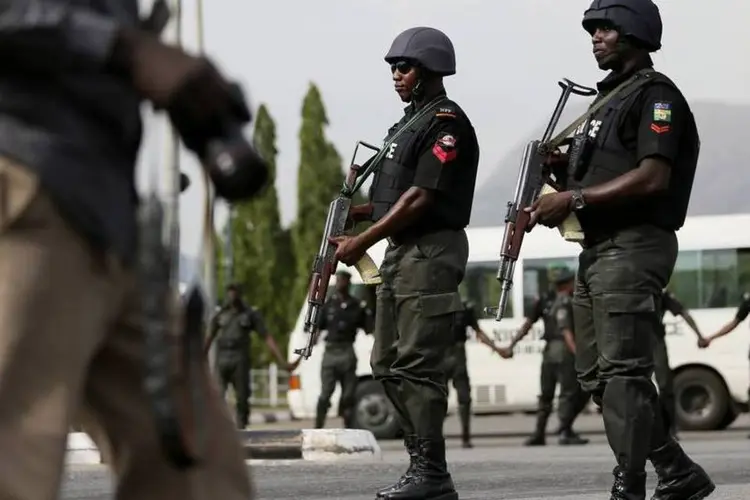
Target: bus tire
[(729, 418), (702, 400), (373, 411)]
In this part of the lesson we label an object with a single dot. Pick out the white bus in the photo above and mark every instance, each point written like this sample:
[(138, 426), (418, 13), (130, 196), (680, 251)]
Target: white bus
[(711, 385)]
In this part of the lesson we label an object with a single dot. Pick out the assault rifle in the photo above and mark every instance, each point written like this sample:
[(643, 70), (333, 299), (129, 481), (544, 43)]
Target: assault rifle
[(532, 182), (324, 265)]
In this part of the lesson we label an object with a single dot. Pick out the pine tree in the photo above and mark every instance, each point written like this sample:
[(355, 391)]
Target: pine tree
[(262, 263), (319, 181)]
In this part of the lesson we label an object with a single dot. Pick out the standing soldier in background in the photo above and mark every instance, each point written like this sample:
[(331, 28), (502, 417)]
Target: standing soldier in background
[(232, 325), (421, 200), (742, 312), (662, 371), (558, 362), (628, 178), (456, 369), (74, 76), (341, 318)]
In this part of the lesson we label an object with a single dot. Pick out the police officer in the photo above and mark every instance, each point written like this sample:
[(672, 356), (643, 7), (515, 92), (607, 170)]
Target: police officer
[(629, 181), (341, 317), (73, 78), (662, 371), (232, 325), (421, 200), (742, 312), (456, 369), (558, 361)]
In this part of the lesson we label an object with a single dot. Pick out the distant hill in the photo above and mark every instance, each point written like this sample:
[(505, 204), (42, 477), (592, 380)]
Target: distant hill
[(721, 185)]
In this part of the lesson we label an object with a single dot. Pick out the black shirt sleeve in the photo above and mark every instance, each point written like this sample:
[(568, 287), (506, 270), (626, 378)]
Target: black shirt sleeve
[(258, 323), (53, 36), (471, 318), (744, 308), (442, 148), (671, 304), (663, 123), (536, 311)]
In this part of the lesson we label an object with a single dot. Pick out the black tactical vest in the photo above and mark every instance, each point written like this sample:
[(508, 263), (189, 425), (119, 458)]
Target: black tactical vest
[(598, 155), (343, 318), (234, 328), (395, 175)]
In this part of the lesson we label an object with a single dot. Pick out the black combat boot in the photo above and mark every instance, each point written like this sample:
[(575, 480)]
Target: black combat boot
[(538, 438), (679, 477), (430, 479), (464, 413), (412, 448), (568, 437), (628, 485)]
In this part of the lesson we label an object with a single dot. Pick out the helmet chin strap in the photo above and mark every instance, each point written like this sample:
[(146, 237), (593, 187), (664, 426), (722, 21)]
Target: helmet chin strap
[(418, 89)]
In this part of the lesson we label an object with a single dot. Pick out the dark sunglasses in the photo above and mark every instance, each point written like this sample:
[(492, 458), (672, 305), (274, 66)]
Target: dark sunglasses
[(402, 67)]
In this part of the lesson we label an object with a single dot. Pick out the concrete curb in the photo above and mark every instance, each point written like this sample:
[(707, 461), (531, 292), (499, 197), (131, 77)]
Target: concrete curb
[(81, 450), (325, 445), (311, 444)]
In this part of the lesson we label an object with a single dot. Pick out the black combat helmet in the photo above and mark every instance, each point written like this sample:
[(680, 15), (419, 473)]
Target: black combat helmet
[(429, 47), (639, 19), (562, 274)]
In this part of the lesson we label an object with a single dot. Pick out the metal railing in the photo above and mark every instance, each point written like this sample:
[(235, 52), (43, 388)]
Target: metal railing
[(269, 387)]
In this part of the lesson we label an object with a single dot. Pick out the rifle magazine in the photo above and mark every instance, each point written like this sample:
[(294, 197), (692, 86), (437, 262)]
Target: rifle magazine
[(570, 229), (368, 271)]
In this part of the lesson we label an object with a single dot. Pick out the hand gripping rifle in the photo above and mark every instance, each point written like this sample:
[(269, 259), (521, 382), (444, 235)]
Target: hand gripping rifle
[(532, 181), (325, 261)]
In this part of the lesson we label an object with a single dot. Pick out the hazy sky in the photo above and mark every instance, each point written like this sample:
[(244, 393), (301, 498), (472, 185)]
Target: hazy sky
[(510, 54)]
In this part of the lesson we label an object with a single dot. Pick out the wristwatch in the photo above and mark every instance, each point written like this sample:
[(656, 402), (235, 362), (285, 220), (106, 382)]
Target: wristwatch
[(577, 201)]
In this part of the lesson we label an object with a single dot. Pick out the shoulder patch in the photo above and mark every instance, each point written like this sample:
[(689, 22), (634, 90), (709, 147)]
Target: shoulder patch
[(661, 117), (562, 314), (662, 112), (746, 296), (445, 148), (446, 111)]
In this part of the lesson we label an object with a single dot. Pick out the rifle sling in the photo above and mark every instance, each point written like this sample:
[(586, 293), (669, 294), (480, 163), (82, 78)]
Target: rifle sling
[(374, 163), (631, 84)]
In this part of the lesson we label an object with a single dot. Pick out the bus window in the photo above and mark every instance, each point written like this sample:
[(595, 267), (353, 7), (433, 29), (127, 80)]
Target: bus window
[(481, 287), (536, 278), (706, 279)]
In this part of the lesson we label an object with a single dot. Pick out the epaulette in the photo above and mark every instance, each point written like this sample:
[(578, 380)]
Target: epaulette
[(746, 296), (446, 111)]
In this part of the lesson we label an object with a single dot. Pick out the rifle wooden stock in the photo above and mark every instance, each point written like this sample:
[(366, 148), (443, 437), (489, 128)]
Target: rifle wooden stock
[(570, 228)]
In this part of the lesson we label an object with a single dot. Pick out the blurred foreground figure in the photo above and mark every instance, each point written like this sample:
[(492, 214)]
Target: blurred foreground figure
[(74, 75)]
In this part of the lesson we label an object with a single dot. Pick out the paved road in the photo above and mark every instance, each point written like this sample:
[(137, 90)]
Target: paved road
[(495, 469), (497, 425)]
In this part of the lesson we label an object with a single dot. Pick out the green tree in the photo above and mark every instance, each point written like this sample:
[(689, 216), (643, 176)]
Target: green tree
[(262, 262), (319, 181)]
